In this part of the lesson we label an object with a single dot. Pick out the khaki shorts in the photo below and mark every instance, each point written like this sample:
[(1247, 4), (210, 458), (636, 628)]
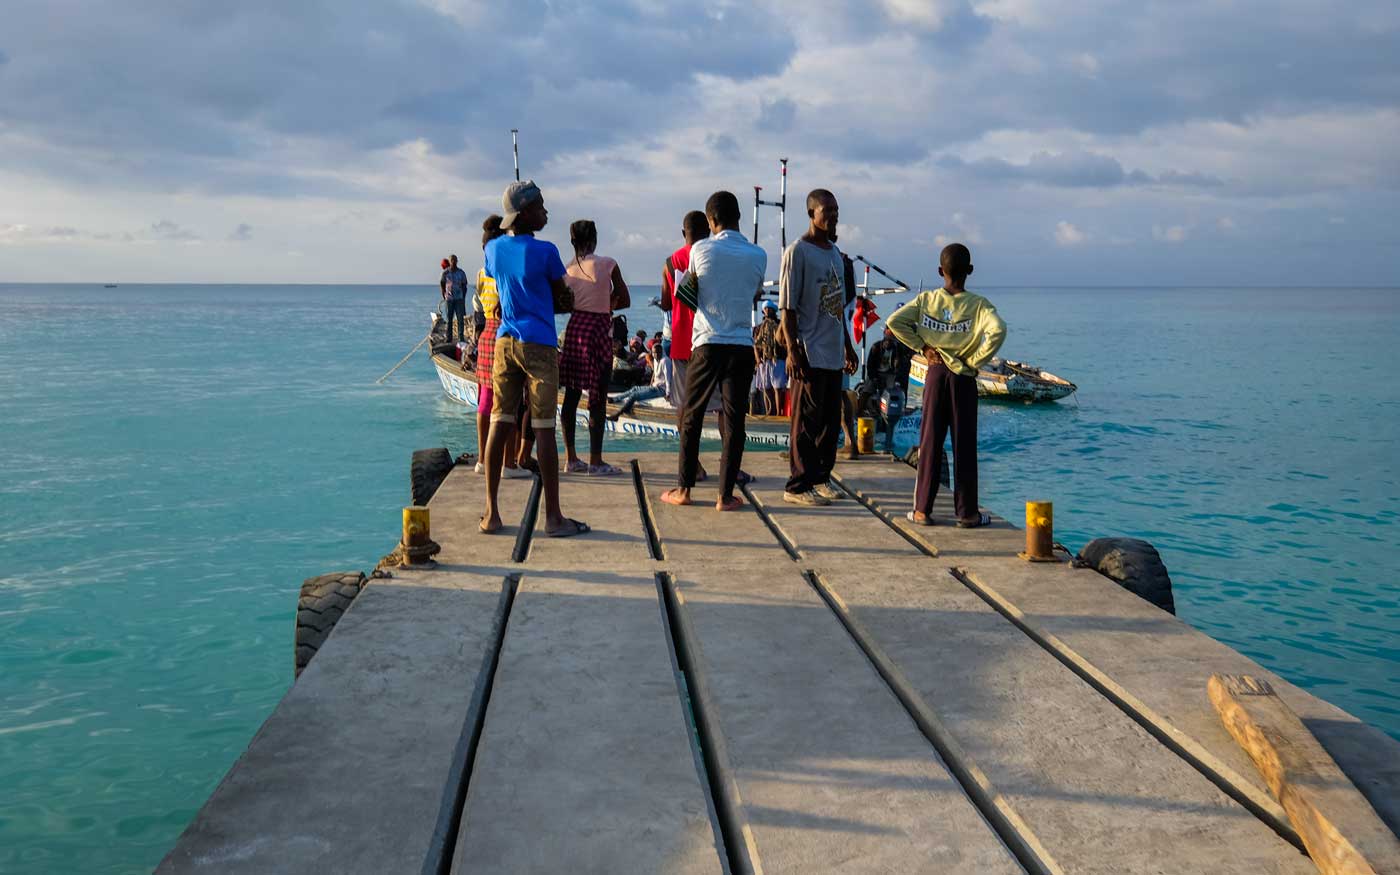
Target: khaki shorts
[(521, 368)]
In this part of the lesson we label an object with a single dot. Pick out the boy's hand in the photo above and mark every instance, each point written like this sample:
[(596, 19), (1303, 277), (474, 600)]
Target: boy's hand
[(930, 354)]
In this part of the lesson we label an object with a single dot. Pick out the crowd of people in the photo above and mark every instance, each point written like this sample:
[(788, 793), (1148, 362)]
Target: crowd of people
[(797, 361)]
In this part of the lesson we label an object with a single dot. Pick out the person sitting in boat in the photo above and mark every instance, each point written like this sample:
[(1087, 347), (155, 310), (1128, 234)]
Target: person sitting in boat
[(586, 357), (490, 303), (957, 332), (656, 388), (887, 380)]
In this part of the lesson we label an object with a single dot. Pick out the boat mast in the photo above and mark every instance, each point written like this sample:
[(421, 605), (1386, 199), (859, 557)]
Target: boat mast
[(515, 147)]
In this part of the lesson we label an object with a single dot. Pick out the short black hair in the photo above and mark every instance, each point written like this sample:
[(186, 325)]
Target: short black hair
[(695, 226), (815, 196), (491, 229), (723, 209), (955, 260)]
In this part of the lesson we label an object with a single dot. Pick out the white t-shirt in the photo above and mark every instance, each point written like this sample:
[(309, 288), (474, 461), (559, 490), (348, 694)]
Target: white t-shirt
[(728, 271)]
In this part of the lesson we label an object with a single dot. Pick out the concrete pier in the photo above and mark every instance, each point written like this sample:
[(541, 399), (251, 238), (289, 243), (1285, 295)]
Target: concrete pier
[(777, 690)]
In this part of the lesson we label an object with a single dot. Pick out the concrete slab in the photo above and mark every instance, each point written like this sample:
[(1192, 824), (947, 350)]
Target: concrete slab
[(829, 772), (1096, 790), (357, 769), (1151, 659), (609, 506), (455, 517), (700, 536), (585, 763)]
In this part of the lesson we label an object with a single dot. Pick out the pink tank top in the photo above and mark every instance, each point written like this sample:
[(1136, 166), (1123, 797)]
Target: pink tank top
[(590, 278)]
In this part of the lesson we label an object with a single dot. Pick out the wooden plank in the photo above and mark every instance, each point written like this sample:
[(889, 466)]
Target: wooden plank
[(1305, 780)]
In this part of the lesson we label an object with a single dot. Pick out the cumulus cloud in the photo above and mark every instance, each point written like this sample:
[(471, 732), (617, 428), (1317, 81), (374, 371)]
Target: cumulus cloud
[(1067, 234), (1076, 169), (1170, 233), (244, 231)]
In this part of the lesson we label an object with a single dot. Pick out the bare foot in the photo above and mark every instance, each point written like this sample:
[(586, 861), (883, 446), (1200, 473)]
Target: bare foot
[(733, 502), (490, 525)]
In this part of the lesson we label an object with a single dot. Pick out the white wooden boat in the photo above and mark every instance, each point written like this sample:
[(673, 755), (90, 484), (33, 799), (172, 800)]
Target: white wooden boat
[(1003, 379)]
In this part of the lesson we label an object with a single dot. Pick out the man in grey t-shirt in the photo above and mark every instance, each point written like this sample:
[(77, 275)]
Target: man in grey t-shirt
[(812, 297)]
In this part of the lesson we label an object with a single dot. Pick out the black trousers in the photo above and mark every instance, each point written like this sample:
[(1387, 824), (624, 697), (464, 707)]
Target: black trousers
[(815, 428), (728, 368), (950, 400)]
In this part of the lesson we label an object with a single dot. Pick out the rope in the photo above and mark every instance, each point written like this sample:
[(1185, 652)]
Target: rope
[(425, 339)]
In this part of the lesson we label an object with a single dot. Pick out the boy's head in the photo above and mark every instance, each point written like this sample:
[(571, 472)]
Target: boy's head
[(694, 227), (955, 263), (722, 211)]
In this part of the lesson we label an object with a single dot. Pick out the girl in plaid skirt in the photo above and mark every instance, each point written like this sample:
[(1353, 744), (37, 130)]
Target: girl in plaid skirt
[(585, 361), (490, 302)]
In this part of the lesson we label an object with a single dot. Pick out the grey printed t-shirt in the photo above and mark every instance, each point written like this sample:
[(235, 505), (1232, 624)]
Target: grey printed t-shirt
[(812, 283)]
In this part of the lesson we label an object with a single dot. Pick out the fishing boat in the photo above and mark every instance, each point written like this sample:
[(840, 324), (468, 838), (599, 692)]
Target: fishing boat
[(654, 417), (1004, 379)]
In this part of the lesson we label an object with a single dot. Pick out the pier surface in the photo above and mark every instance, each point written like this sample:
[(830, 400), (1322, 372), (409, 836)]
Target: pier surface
[(775, 690)]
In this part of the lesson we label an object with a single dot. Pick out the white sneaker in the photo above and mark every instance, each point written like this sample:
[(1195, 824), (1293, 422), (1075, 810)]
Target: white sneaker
[(480, 468), (826, 491), (516, 473), (810, 498)]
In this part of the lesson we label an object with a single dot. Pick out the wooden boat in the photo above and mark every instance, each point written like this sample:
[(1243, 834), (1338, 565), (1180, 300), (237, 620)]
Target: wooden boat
[(649, 418), (1003, 379)]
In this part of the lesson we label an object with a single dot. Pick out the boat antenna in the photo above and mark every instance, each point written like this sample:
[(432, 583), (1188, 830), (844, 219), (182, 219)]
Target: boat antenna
[(869, 266), (780, 203), (515, 147)]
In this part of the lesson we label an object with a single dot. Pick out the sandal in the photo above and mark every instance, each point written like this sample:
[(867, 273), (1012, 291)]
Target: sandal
[(733, 502), (982, 520), (603, 470), (577, 466), (911, 517), (576, 527), (672, 496)]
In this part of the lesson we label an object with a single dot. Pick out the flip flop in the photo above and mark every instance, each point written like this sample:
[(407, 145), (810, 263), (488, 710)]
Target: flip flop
[(603, 470), (734, 502), (926, 521), (744, 478), (669, 496), (982, 520), (577, 466), (576, 527)]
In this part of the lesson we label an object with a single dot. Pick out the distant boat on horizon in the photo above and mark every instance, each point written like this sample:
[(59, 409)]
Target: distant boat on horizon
[(109, 285)]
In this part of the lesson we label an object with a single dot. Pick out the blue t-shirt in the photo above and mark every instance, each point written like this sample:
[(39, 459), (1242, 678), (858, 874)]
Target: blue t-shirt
[(523, 269)]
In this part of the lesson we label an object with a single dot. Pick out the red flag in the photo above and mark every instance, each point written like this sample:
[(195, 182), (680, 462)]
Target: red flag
[(863, 317)]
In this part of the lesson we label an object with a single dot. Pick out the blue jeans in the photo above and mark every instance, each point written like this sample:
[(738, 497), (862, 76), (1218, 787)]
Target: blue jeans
[(457, 307)]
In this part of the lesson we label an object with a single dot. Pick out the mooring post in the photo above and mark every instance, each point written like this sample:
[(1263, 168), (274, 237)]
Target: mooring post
[(1040, 532)]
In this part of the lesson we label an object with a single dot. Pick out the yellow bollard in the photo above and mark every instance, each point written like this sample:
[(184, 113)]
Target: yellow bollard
[(1040, 532), (415, 526), (865, 434)]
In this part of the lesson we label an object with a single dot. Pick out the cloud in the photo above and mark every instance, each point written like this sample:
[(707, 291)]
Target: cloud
[(168, 230), (776, 115), (390, 226), (1170, 233), (1066, 234), (244, 231), (1075, 169)]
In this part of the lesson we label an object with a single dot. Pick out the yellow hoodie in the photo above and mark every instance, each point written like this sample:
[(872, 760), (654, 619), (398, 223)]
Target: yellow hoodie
[(964, 328)]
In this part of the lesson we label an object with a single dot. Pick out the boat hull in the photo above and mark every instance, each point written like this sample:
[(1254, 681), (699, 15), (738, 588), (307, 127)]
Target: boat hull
[(1008, 387), (771, 432)]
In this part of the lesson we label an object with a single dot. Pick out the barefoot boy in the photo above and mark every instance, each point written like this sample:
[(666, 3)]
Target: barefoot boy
[(957, 332)]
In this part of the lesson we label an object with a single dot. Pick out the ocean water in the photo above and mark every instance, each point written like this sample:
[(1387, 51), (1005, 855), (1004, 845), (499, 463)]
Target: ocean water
[(175, 459)]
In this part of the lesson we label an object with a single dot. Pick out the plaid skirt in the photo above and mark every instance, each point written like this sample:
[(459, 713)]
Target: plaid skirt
[(585, 362), (486, 351)]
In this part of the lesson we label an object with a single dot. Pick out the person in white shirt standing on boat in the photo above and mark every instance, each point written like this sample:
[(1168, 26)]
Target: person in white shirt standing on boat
[(721, 284), (812, 298), (585, 361)]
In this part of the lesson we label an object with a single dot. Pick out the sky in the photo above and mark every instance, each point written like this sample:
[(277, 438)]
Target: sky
[(1067, 142)]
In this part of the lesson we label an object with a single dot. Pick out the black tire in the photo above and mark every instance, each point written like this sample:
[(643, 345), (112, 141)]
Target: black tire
[(324, 600), (427, 471), (1134, 565)]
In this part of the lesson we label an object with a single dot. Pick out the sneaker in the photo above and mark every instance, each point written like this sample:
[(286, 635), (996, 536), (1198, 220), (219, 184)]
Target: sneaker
[(810, 498), (826, 491), (480, 468), (515, 473)]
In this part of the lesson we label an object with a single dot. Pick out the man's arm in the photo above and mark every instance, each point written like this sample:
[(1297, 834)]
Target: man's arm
[(852, 360), (668, 280), (442, 284)]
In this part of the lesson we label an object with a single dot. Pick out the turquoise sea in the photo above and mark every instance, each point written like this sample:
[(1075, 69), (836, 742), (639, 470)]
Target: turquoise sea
[(175, 459)]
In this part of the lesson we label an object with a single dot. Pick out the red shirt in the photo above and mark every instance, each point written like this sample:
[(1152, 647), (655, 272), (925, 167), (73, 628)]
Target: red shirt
[(682, 317)]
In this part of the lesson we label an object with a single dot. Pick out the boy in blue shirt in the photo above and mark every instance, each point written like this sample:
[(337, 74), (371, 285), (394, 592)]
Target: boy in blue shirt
[(528, 274)]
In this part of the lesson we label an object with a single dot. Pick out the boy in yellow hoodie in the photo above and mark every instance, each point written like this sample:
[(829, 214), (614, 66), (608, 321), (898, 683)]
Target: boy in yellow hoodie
[(957, 332)]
